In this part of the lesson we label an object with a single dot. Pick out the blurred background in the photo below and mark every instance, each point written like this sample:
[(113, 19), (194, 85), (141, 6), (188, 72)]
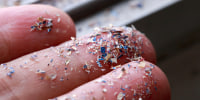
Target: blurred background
[(173, 26)]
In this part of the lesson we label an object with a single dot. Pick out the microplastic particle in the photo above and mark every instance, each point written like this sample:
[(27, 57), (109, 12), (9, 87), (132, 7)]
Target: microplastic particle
[(125, 47), (9, 74), (49, 29), (146, 84), (61, 79), (120, 96), (101, 59), (33, 57), (123, 89), (67, 62), (84, 66), (53, 76), (129, 65), (58, 20), (98, 63), (11, 71), (142, 64), (123, 69), (95, 38), (39, 71), (51, 60), (104, 90), (103, 81), (65, 68), (43, 23), (152, 65), (103, 70), (113, 67), (147, 90), (114, 60), (103, 49)]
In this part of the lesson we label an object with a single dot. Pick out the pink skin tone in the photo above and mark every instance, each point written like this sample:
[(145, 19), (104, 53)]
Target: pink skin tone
[(134, 83), (16, 37), (26, 82)]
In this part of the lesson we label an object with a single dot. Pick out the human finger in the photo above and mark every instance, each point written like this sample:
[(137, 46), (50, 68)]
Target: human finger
[(57, 70), (132, 81), (50, 27)]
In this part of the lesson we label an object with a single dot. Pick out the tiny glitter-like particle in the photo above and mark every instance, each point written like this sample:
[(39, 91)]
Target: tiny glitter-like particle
[(51, 60), (142, 64), (49, 30), (103, 49), (9, 74), (3, 64), (73, 47), (53, 76), (147, 90), (103, 81), (62, 79), (120, 96), (69, 53), (101, 59), (67, 62), (33, 57), (113, 67), (39, 71), (114, 60), (73, 38), (58, 20), (84, 66), (125, 47), (11, 71), (146, 84), (98, 63), (107, 57), (95, 38), (129, 65), (152, 65), (123, 89), (103, 70), (65, 68), (123, 69), (104, 90), (43, 23)]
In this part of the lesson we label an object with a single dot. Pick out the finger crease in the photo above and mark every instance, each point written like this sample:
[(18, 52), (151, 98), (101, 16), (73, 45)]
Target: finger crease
[(5, 89)]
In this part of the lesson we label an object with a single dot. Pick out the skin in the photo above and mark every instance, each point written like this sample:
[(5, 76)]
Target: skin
[(133, 82), (64, 70), (16, 37)]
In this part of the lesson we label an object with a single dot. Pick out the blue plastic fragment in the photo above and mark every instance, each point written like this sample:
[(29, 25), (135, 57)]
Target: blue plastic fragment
[(103, 49), (125, 47), (85, 66), (95, 38)]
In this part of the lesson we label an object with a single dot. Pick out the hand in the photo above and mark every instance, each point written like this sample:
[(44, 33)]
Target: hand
[(73, 70)]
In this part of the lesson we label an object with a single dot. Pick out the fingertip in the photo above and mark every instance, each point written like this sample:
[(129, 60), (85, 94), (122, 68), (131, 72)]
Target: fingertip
[(139, 81), (16, 25)]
